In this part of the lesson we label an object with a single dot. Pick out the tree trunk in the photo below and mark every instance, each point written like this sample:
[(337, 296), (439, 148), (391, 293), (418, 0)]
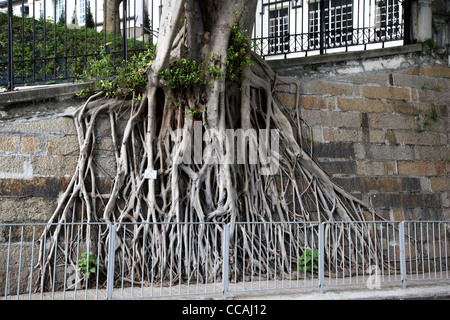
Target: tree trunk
[(111, 23)]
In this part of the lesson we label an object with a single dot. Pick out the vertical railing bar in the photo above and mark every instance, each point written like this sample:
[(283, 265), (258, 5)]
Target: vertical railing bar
[(282, 252), (446, 251), (181, 227), (198, 256), (356, 252), (428, 249), (20, 261), (260, 258), (43, 254), (440, 249), (88, 252), (32, 263), (111, 258), (343, 252), (252, 265), (10, 48), (143, 258), (382, 249), (401, 237), (389, 254), (297, 256), (97, 272), (321, 257), (225, 257), (350, 252), (235, 257), (208, 252), (123, 259), (7, 262), (415, 249)]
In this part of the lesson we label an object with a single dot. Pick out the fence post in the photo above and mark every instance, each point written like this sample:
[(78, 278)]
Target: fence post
[(125, 44), (110, 267), (401, 235), (226, 259), (321, 256), (10, 77)]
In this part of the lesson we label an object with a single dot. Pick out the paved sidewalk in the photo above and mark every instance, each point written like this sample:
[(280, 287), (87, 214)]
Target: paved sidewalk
[(419, 291)]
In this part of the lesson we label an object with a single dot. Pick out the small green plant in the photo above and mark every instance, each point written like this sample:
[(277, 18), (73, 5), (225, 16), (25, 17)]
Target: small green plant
[(87, 264), (237, 53), (309, 139), (183, 74), (430, 45), (308, 260), (193, 112), (437, 89), (433, 114)]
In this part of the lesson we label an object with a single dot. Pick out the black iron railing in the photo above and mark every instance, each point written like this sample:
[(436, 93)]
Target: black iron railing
[(45, 42), (306, 27)]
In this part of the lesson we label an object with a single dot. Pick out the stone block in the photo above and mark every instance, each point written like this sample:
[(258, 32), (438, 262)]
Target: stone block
[(413, 81), (408, 168), (391, 121), (334, 150), (26, 210), (338, 167), (9, 143), (54, 166), (332, 119), (361, 105), (30, 145), (62, 145), (440, 183), (376, 78), (418, 138), (60, 125), (435, 71), (327, 88), (390, 93), (390, 152), (347, 135), (371, 168), (12, 164)]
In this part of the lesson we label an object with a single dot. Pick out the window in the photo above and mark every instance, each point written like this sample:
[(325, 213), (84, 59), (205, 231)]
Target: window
[(82, 12), (60, 13), (279, 30), (338, 16), (387, 19)]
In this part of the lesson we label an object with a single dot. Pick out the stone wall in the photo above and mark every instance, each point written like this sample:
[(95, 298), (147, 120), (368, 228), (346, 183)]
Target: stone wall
[(380, 128), (38, 155)]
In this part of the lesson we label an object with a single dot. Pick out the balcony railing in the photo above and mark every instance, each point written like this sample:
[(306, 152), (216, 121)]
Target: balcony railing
[(310, 27)]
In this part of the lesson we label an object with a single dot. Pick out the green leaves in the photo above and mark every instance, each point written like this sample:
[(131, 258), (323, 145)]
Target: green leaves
[(237, 53), (128, 78), (185, 73), (308, 260), (87, 264)]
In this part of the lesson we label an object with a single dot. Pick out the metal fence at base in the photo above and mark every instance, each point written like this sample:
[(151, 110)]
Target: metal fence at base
[(97, 261)]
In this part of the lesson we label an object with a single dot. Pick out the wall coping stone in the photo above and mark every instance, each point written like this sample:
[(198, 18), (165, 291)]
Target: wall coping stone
[(344, 56), (42, 92)]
